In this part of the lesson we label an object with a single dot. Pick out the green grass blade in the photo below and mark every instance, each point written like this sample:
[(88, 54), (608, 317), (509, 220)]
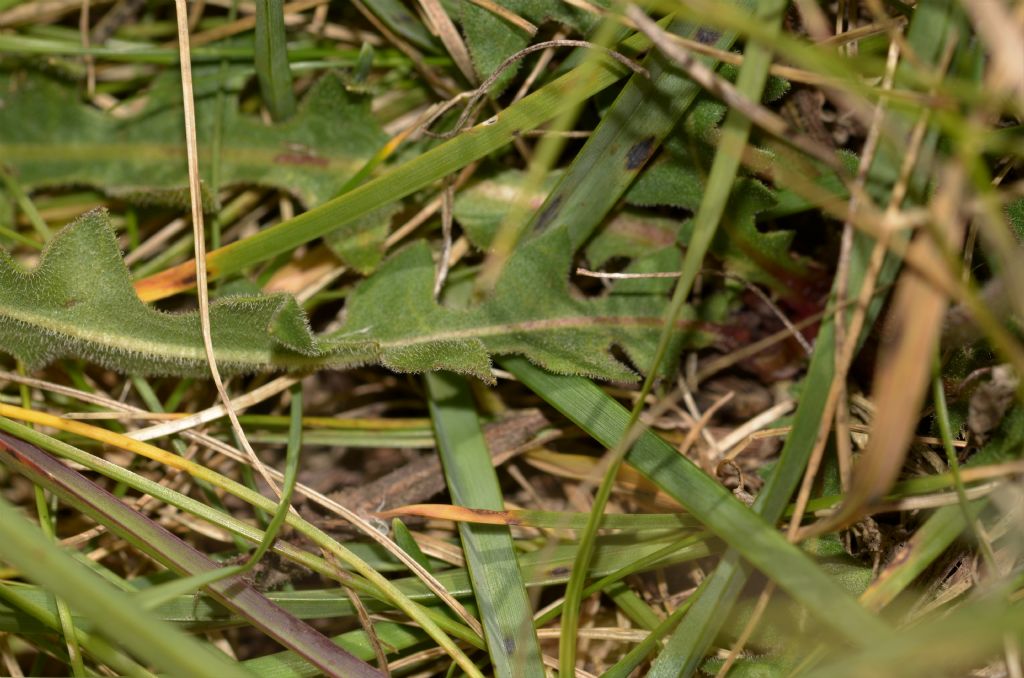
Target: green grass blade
[(950, 645), (25, 607), (615, 559), (438, 626), (735, 133), (63, 612), (756, 540), (633, 522), (404, 538), (291, 475), (115, 614), (288, 665), (157, 594), (719, 186), (636, 656), (235, 593), (629, 133), (939, 531), (698, 628), (270, 51), (405, 23), (441, 161), (490, 553)]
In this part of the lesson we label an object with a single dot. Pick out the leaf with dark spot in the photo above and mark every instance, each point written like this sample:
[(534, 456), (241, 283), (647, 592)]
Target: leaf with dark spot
[(639, 153), (707, 36), (51, 140)]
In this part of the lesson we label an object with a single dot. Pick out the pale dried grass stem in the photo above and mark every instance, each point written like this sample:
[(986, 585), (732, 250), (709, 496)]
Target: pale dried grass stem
[(844, 451), (725, 91), (199, 236), (507, 15), (474, 96), (444, 28)]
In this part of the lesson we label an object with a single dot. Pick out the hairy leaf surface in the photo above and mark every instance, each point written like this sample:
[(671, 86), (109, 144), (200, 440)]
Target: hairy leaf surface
[(491, 39), (676, 179), (79, 302), (49, 142)]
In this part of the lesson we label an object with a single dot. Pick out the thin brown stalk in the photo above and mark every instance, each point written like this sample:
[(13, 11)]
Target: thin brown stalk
[(247, 23), (538, 68), (507, 15), (748, 629), (442, 85), (445, 29), (223, 448), (447, 205), (474, 96), (814, 20), (754, 289), (90, 62), (842, 437), (724, 90), (867, 290), (364, 618), (199, 236)]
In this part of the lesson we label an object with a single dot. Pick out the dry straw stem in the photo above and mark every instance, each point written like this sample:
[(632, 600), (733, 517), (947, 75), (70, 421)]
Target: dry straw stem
[(724, 90), (757, 291), (127, 443), (440, 84), (843, 451), (199, 237), (871, 221), (539, 67), (800, 75), (216, 412), (174, 461), (41, 12), (1004, 36), (247, 23), (444, 28), (473, 97), (848, 349), (715, 365), (902, 372), (508, 15)]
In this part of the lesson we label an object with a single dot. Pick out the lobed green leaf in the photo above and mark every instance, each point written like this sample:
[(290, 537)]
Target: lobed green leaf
[(51, 143), (79, 302)]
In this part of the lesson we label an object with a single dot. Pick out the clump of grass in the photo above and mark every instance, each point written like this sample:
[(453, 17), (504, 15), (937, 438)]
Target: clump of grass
[(794, 226)]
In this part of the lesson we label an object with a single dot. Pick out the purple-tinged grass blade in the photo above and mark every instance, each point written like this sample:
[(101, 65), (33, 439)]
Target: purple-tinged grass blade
[(233, 592)]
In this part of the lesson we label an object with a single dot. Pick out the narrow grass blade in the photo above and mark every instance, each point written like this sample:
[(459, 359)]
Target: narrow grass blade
[(291, 474), (438, 626), (951, 645), (700, 626), (32, 618), (113, 612), (234, 593), (48, 526), (939, 531), (404, 538), (629, 133), (172, 589), (271, 58), (405, 23), (719, 187), (756, 540), (735, 133), (490, 555), (397, 637), (615, 558), (633, 522), (440, 161)]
